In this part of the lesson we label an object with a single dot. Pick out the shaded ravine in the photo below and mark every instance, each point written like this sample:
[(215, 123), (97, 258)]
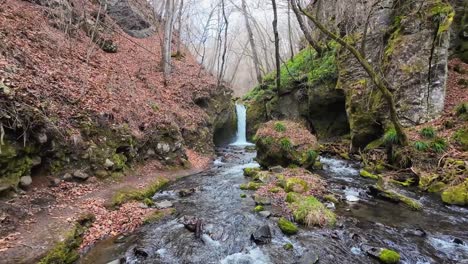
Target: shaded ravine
[(435, 235)]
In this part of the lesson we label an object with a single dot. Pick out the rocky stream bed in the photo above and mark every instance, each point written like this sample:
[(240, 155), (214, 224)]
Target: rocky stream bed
[(224, 224)]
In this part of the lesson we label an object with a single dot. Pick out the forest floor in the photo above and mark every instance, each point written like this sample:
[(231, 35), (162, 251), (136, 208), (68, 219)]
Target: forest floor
[(40, 216)]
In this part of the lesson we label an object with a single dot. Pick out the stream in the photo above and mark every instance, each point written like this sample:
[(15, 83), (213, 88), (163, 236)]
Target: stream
[(438, 234)]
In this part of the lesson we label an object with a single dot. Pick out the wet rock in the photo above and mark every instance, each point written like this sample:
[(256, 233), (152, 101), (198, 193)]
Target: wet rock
[(416, 232), (384, 255), (265, 214), (140, 253), (25, 181), (186, 192), (261, 200), (309, 257), (80, 175), (262, 235), (458, 241), (163, 204)]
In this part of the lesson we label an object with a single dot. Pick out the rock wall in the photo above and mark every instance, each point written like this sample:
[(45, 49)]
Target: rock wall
[(408, 41)]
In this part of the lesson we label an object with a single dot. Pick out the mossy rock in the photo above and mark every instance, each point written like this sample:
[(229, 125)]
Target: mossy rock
[(456, 195), (364, 173), (461, 138), (251, 172), (287, 227), (126, 195), (253, 186), (296, 185), (292, 197), (311, 212), (388, 256), (288, 246), (395, 197), (258, 208), (282, 148), (331, 198)]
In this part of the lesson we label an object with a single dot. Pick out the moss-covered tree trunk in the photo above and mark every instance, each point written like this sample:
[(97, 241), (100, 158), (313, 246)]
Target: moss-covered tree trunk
[(377, 79)]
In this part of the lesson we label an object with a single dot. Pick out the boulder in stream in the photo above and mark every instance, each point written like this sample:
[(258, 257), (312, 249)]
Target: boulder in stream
[(285, 143), (384, 255), (262, 235)]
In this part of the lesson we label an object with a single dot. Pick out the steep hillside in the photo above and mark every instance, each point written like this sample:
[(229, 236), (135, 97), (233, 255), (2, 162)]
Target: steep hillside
[(81, 91)]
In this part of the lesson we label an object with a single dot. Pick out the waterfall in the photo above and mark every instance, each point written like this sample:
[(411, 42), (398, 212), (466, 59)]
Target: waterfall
[(241, 136)]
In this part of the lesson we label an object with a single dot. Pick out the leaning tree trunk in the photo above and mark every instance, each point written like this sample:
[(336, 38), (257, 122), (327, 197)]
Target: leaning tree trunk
[(376, 78), (307, 34), (277, 53)]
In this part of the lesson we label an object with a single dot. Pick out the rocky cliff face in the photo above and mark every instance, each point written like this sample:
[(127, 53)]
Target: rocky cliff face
[(408, 41), (81, 92)]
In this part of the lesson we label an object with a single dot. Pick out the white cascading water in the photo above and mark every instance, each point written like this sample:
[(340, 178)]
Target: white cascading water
[(241, 136)]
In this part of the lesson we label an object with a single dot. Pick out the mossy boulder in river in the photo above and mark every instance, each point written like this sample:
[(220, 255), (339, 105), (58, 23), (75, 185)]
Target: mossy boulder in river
[(457, 194), (285, 143)]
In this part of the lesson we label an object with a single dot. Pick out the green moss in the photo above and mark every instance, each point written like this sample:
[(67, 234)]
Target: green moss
[(457, 195), (286, 144), (437, 187), (258, 208), (275, 189), (369, 175), (66, 252), (243, 195), (406, 183), (445, 14), (461, 138), (374, 144), (148, 202), (310, 211), (154, 217), (280, 127), (331, 198), (251, 172), (253, 186), (292, 197), (388, 256), (297, 185), (397, 197), (391, 137), (119, 161), (288, 246), (124, 196), (287, 227)]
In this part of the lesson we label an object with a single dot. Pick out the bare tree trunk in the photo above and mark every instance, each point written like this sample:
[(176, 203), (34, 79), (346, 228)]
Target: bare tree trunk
[(291, 47), (179, 18), (305, 30), (374, 75), (277, 52), (223, 57), (252, 43), (167, 45)]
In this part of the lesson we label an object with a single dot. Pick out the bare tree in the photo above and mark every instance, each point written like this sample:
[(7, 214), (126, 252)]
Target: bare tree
[(252, 42), (167, 42), (277, 52), (375, 76), (179, 30), (291, 47), (223, 57)]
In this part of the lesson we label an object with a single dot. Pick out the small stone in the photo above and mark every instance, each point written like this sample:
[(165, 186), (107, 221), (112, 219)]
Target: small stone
[(80, 175), (150, 152), (108, 164), (25, 181), (36, 161), (277, 169), (54, 182), (67, 177), (265, 214), (163, 204), (458, 241), (186, 192)]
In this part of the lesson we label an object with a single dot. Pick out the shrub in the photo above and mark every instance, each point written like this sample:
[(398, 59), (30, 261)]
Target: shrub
[(280, 127), (286, 144), (439, 145), (427, 132), (421, 146)]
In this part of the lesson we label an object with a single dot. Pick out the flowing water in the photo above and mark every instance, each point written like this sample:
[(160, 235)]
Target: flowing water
[(438, 234)]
